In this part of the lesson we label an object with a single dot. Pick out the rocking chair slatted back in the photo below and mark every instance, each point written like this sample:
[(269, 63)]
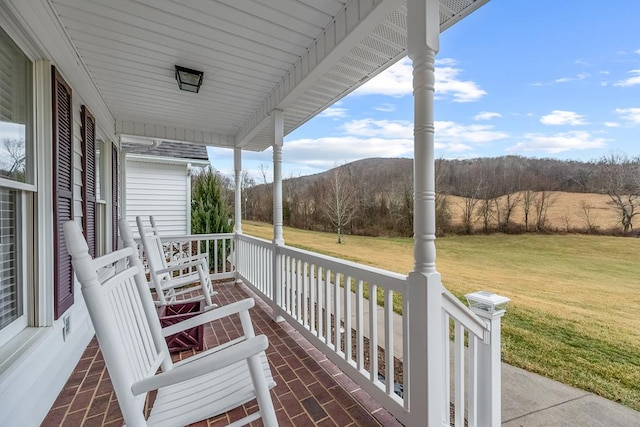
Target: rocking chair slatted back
[(118, 301), (169, 285)]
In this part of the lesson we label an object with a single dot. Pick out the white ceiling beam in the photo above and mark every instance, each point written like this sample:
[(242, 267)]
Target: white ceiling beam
[(357, 19), (128, 128)]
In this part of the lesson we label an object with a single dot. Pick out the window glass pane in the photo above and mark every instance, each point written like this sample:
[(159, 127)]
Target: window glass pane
[(10, 289), (15, 112)]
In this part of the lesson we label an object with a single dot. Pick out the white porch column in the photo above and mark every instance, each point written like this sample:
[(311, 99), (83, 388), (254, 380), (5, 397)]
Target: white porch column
[(426, 337), (278, 123), (237, 165), (278, 236)]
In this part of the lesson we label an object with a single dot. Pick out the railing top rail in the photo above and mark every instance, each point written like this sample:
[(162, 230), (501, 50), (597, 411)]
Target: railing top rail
[(192, 237), (464, 315), (392, 280), (249, 238), (330, 259), (388, 279)]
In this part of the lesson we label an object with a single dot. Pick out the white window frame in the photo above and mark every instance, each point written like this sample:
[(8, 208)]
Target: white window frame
[(25, 193), (36, 226)]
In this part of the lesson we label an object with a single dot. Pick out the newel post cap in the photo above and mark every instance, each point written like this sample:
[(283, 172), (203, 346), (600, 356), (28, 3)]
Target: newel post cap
[(487, 304)]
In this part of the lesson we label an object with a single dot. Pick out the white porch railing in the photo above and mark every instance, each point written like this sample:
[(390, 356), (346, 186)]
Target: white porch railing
[(220, 247), (327, 300), (358, 317), (325, 297), (462, 370)]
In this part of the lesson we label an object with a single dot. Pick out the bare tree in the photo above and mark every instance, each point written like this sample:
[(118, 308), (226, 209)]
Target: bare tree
[(504, 209), (14, 162), (340, 203), (587, 215), (470, 185), (485, 213), (528, 200), (246, 182), (621, 179), (543, 202)]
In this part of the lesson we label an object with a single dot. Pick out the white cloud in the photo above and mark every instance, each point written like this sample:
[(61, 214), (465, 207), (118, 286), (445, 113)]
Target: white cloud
[(486, 115), (580, 76), (386, 108), (362, 139), (559, 142), (638, 51), (394, 81), (334, 113), (612, 124), (449, 132), (386, 138), (630, 114), (631, 81), (397, 81), (323, 153), (447, 82), (380, 128), (561, 117)]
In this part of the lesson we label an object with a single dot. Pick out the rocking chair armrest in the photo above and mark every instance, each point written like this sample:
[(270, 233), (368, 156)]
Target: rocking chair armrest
[(209, 316), (182, 261), (198, 367), (178, 267)]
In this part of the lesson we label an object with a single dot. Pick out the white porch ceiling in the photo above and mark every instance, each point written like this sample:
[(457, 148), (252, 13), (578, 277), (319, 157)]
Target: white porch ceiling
[(257, 55)]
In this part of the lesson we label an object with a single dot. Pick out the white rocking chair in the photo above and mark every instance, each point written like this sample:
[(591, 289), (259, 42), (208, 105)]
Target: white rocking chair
[(171, 287), (133, 346)]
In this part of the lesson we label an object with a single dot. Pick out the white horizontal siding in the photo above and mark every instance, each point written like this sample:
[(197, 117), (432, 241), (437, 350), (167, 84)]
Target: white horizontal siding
[(159, 190)]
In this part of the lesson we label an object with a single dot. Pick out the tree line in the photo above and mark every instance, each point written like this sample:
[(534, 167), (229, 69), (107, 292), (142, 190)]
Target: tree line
[(375, 196)]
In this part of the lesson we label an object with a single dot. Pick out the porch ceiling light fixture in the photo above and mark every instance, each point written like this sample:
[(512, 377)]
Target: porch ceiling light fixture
[(188, 79)]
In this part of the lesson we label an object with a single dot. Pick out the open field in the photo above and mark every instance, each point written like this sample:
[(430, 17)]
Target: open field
[(575, 311), (567, 211)]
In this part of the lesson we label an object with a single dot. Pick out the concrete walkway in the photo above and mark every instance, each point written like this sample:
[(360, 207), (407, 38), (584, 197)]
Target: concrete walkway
[(530, 400)]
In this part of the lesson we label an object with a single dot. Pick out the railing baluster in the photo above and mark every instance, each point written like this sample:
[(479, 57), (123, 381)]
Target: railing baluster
[(388, 341), (216, 257), (459, 374), (319, 289), (347, 319), (373, 331), (472, 412), (447, 369), (327, 310), (313, 301), (337, 313), (298, 290), (360, 325), (305, 294)]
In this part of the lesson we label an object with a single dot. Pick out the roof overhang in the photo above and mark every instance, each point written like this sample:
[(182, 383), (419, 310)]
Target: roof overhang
[(296, 56)]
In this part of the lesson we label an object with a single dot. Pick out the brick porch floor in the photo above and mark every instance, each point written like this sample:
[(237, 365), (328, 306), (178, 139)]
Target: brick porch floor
[(310, 390)]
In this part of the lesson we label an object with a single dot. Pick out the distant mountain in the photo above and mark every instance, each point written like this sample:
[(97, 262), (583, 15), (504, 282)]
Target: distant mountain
[(377, 172)]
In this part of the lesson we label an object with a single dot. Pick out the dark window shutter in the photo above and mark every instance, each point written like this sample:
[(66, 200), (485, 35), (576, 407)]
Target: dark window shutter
[(89, 179), (62, 116), (114, 197)]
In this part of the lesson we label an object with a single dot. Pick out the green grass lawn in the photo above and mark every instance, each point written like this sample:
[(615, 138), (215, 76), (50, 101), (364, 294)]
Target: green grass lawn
[(575, 310)]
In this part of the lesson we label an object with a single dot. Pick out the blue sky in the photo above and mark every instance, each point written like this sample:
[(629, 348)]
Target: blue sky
[(543, 78)]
